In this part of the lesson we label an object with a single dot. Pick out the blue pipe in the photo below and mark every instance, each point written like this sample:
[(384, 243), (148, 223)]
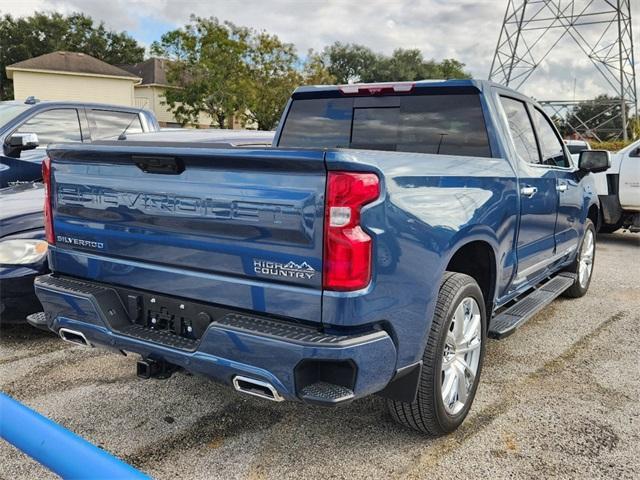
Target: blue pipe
[(61, 451)]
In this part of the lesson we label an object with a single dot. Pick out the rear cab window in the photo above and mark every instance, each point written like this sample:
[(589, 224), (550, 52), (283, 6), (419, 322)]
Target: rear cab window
[(442, 123)]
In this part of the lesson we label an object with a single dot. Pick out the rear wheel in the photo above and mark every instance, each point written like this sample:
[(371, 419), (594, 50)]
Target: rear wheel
[(582, 266), (452, 360)]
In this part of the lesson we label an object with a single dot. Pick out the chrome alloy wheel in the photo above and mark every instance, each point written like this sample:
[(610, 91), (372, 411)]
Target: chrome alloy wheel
[(461, 355), (586, 258)]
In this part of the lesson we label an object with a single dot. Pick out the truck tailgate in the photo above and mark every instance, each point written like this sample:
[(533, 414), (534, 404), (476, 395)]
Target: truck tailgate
[(248, 221)]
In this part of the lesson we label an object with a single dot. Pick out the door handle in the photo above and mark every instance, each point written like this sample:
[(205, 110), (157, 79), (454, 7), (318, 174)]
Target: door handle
[(159, 164), (529, 191), (562, 187)]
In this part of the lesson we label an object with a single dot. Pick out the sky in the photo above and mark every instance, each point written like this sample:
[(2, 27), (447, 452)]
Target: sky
[(467, 30)]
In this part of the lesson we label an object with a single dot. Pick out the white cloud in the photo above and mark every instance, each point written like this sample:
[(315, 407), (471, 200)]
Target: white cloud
[(464, 29)]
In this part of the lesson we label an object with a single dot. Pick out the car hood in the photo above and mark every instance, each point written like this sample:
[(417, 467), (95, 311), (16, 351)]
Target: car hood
[(21, 208)]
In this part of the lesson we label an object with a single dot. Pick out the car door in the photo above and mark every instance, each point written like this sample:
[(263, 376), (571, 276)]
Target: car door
[(629, 179), (538, 195), (570, 195), (53, 125)]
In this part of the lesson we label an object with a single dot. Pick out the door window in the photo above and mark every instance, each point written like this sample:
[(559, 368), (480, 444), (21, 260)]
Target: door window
[(109, 124), (521, 129), (550, 144), (54, 126)]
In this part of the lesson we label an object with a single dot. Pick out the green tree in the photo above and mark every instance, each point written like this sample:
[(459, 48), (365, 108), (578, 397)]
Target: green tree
[(315, 70), (208, 71), (28, 37), (600, 118), (402, 65), (452, 68), (357, 63), (273, 77), (350, 62)]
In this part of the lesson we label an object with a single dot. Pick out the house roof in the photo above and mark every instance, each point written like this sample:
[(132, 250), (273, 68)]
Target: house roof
[(152, 71), (70, 62)]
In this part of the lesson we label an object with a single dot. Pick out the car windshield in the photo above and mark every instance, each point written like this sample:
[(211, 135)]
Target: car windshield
[(9, 111)]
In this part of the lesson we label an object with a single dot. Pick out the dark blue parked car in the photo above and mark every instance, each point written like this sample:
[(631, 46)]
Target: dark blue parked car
[(26, 128), (23, 249)]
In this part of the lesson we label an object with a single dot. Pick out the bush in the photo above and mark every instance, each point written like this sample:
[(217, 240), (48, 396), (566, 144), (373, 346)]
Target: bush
[(613, 145)]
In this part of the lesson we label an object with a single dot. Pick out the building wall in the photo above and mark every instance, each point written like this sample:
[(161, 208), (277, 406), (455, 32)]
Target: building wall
[(143, 98), (151, 97), (54, 86)]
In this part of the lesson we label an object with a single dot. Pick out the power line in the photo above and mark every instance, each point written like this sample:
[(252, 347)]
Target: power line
[(533, 29)]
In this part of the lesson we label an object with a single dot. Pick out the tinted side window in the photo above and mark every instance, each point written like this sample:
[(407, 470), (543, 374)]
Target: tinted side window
[(521, 129), (550, 144), (445, 124), (53, 126), (108, 124)]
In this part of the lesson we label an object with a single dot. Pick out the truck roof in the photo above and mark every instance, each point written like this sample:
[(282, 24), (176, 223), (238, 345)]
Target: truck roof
[(474, 83), (76, 104), (209, 135)]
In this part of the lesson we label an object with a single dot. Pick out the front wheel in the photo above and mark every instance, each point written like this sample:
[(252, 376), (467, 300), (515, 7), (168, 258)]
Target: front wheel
[(582, 266), (452, 360)]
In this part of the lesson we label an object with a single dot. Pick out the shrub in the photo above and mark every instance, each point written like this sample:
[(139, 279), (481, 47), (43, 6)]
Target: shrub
[(613, 145)]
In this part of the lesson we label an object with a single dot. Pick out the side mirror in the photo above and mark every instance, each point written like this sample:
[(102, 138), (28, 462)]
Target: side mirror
[(635, 153), (23, 141), (594, 161)]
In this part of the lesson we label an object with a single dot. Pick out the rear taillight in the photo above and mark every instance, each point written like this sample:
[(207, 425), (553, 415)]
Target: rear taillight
[(347, 248), (48, 214)]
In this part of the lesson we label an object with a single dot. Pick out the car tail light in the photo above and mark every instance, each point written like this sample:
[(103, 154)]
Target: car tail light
[(377, 88), (347, 247), (48, 214)]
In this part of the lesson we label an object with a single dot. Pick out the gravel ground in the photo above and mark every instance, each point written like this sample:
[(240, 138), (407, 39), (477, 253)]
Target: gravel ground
[(559, 398)]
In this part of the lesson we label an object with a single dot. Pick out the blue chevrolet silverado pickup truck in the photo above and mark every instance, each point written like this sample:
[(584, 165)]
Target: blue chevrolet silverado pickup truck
[(23, 248), (389, 231)]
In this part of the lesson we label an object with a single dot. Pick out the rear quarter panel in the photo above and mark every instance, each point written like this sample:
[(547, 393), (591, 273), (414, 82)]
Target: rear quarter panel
[(430, 207)]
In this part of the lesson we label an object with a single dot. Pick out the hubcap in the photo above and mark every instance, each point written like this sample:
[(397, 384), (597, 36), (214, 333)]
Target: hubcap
[(586, 259), (461, 355)]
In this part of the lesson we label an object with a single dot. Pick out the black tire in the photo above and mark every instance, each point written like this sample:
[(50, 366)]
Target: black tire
[(606, 228), (578, 289), (427, 413)]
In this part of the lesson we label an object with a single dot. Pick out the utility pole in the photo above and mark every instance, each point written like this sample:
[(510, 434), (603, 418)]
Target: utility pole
[(533, 30)]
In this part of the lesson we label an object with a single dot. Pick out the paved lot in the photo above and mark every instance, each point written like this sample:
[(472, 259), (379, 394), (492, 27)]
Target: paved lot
[(560, 398)]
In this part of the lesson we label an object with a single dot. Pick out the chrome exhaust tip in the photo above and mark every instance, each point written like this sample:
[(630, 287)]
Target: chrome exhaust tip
[(73, 336), (257, 388)]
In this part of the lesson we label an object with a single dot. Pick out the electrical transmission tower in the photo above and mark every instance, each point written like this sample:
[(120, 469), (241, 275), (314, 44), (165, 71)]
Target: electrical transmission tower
[(533, 29)]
